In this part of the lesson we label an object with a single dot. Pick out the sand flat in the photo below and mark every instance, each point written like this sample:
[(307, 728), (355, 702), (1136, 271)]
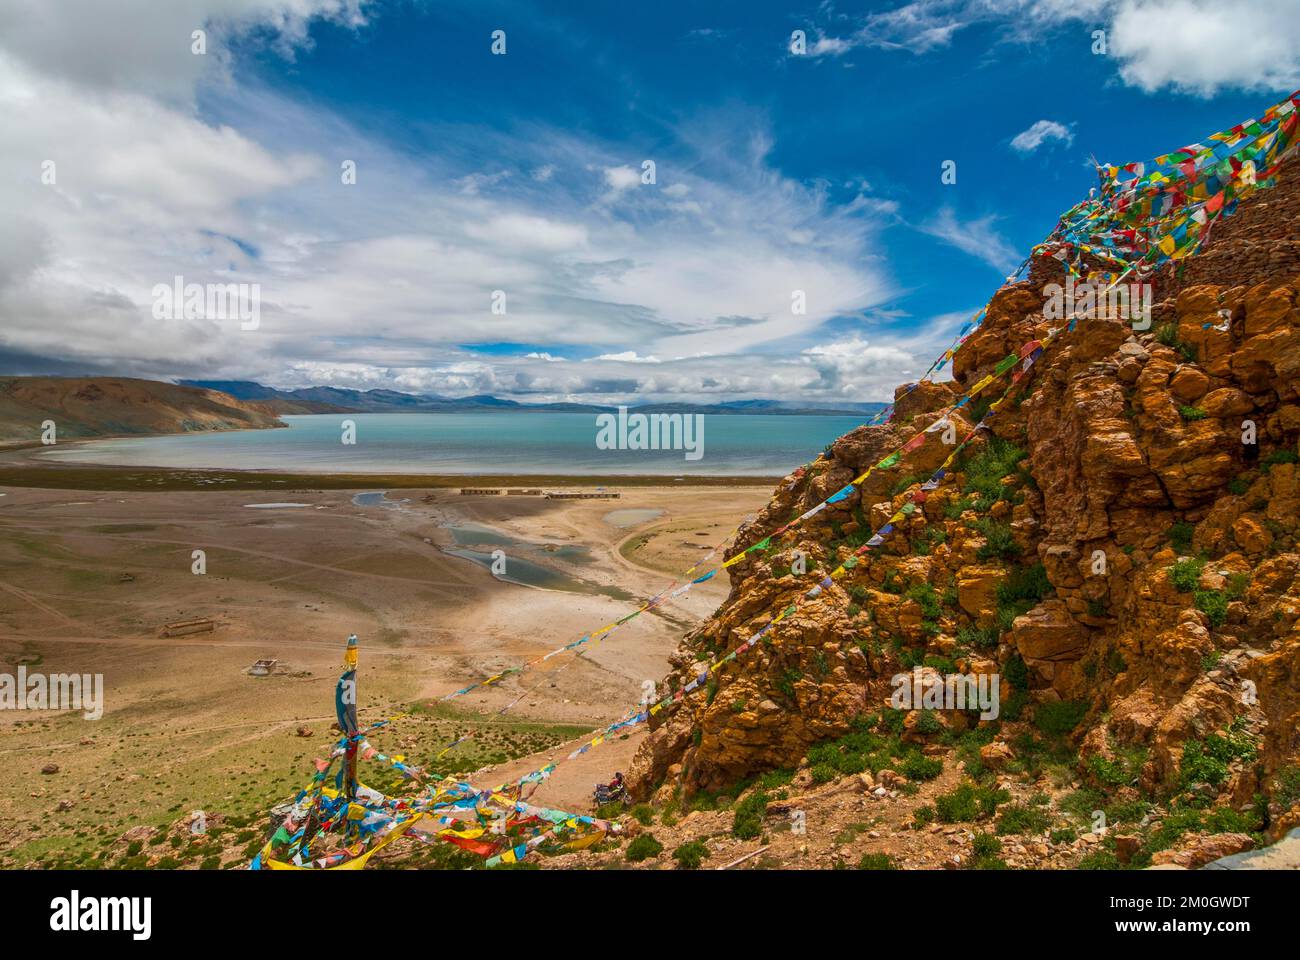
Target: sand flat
[(185, 728)]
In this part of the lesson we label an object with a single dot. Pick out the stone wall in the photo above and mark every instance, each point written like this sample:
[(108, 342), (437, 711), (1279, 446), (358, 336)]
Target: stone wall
[(1257, 244)]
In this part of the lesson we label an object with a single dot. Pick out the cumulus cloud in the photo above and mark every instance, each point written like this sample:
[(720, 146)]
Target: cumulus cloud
[(622, 178), (1201, 47), (146, 47), (850, 369), (1027, 141), (381, 283)]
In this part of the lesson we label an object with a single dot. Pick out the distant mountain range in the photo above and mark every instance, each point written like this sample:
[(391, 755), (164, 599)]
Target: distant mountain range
[(339, 400), (86, 407)]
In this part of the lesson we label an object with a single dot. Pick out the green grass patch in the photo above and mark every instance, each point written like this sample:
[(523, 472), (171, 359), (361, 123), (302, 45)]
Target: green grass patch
[(1212, 603), (999, 544), (967, 802), (1180, 536), (1208, 760), (1059, 718), (985, 471), (1020, 593), (1186, 573), (1022, 818), (876, 861), (979, 638), (985, 848), (690, 855), (1277, 457), (1168, 335), (872, 743), (643, 847)]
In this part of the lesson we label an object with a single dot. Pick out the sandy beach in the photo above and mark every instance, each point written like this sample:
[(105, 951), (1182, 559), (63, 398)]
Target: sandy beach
[(90, 578)]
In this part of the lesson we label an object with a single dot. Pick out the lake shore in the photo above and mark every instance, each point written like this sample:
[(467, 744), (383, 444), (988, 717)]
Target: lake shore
[(22, 466)]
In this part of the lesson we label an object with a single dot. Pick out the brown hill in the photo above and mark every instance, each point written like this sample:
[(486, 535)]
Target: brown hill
[(119, 406)]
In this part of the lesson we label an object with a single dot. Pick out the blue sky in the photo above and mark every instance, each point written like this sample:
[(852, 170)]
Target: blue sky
[(775, 172)]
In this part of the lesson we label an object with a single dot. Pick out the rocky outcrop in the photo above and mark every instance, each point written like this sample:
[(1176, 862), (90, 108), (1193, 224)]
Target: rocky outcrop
[(1123, 536), (1205, 850)]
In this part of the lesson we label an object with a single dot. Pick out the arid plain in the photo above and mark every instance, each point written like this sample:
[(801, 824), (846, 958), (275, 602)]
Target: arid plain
[(90, 578)]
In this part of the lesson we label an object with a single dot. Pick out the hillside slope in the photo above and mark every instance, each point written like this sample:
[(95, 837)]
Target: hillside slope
[(1110, 549), (84, 407)]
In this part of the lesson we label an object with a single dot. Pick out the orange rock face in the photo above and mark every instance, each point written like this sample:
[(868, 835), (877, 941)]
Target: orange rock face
[(1133, 550)]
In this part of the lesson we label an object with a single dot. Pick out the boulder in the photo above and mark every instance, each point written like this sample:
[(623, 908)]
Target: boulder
[(1189, 383), (977, 590), (1048, 632), (1252, 536), (996, 755), (1204, 849)]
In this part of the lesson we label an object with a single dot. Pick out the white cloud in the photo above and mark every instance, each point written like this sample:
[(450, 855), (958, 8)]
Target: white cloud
[(1195, 46), (627, 356), (845, 368), (917, 27), (1027, 141), (1201, 47), (978, 237), (850, 369), (622, 178), (144, 46), (856, 367), (474, 183), (829, 46), (525, 231), (877, 206), (379, 283)]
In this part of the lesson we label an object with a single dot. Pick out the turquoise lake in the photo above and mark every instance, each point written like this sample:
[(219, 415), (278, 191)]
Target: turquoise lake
[(474, 443)]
